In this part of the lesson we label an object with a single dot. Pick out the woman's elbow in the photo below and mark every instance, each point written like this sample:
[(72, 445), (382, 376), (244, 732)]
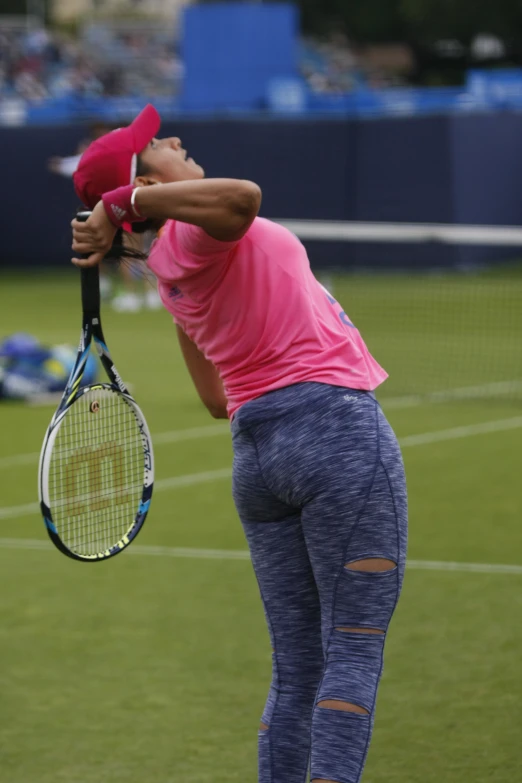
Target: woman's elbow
[(217, 409), (247, 199), (217, 412), (237, 211)]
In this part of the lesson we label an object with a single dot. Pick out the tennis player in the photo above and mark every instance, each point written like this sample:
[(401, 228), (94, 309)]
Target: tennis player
[(318, 475)]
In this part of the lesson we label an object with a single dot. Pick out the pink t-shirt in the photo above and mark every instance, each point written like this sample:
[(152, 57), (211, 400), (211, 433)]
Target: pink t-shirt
[(254, 308)]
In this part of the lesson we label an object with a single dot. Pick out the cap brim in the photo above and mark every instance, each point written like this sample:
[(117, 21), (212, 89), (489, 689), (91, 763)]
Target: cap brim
[(144, 127)]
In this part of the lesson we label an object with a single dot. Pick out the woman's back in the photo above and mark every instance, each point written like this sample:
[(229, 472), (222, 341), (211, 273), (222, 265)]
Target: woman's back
[(254, 308)]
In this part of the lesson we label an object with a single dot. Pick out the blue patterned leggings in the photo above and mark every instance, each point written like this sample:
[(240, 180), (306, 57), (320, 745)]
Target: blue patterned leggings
[(319, 486)]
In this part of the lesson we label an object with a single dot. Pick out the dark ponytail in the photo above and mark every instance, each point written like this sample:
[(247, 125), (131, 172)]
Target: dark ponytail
[(120, 251)]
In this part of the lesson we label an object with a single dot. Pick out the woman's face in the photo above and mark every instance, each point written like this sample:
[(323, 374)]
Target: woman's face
[(165, 160)]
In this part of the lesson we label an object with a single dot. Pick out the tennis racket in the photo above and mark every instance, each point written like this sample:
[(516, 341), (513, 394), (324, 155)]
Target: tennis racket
[(96, 469)]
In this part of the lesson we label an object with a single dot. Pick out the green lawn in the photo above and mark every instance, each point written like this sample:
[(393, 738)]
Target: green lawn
[(153, 668)]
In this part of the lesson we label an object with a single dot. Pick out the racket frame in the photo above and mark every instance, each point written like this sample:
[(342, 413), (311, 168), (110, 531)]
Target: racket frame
[(92, 332)]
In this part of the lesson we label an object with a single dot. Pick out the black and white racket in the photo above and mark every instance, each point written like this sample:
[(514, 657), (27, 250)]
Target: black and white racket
[(96, 469)]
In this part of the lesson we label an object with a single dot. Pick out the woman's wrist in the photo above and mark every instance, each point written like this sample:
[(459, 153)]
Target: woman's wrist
[(120, 206)]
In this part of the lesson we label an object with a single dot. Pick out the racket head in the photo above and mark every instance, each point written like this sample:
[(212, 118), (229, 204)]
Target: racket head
[(96, 474)]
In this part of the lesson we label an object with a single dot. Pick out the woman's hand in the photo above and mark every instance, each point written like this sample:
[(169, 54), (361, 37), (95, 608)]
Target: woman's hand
[(93, 238)]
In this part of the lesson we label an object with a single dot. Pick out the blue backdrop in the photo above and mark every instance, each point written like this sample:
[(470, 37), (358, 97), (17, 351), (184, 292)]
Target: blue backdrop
[(433, 169), (231, 51)]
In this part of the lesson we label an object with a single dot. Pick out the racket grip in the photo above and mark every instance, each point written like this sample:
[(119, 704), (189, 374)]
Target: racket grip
[(90, 281), (91, 290)]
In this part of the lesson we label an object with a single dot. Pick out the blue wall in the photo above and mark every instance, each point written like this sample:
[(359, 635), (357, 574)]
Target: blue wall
[(231, 51), (442, 169)]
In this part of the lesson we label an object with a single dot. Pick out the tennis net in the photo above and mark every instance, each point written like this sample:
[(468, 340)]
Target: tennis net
[(446, 323)]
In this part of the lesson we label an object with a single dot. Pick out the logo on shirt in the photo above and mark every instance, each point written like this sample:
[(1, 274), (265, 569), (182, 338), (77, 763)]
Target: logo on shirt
[(342, 315), (175, 293)]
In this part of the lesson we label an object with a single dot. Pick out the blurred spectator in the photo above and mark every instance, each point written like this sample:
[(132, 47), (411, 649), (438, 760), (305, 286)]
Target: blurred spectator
[(66, 166), (135, 286), (333, 65), (133, 59), (109, 59)]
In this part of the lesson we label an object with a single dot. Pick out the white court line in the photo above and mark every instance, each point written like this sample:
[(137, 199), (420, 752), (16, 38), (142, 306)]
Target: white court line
[(502, 425), (174, 436), (392, 403), (242, 554), (464, 393), (9, 512)]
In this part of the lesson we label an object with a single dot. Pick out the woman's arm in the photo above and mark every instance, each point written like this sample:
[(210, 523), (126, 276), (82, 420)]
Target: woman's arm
[(224, 208), (205, 377)]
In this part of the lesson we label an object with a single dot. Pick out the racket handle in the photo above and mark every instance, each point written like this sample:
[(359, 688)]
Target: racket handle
[(90, 281), (91, 290)]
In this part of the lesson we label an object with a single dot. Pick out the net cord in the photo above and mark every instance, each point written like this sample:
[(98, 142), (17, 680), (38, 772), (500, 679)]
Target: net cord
[(367, 231)]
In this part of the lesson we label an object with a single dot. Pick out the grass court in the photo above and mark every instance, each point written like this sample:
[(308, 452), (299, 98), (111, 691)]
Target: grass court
[(154, 667)]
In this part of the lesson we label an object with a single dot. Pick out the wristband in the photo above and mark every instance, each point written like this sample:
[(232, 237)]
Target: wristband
[(120, 207)]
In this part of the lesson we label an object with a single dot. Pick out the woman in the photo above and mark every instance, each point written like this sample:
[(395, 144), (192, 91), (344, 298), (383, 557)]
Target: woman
[(318, 476)]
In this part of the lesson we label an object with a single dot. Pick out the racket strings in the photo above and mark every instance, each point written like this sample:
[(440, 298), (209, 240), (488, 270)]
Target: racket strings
[(96, 472)]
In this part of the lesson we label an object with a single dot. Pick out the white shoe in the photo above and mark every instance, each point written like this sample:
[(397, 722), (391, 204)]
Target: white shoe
[(153, 300), (127, 303), (105, 287)]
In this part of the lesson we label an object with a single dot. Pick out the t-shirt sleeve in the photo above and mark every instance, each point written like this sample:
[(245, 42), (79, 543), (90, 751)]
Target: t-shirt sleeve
[(196, 243)]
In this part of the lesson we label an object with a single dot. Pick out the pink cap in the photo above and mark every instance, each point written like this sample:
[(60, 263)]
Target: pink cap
[(110, 161)]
